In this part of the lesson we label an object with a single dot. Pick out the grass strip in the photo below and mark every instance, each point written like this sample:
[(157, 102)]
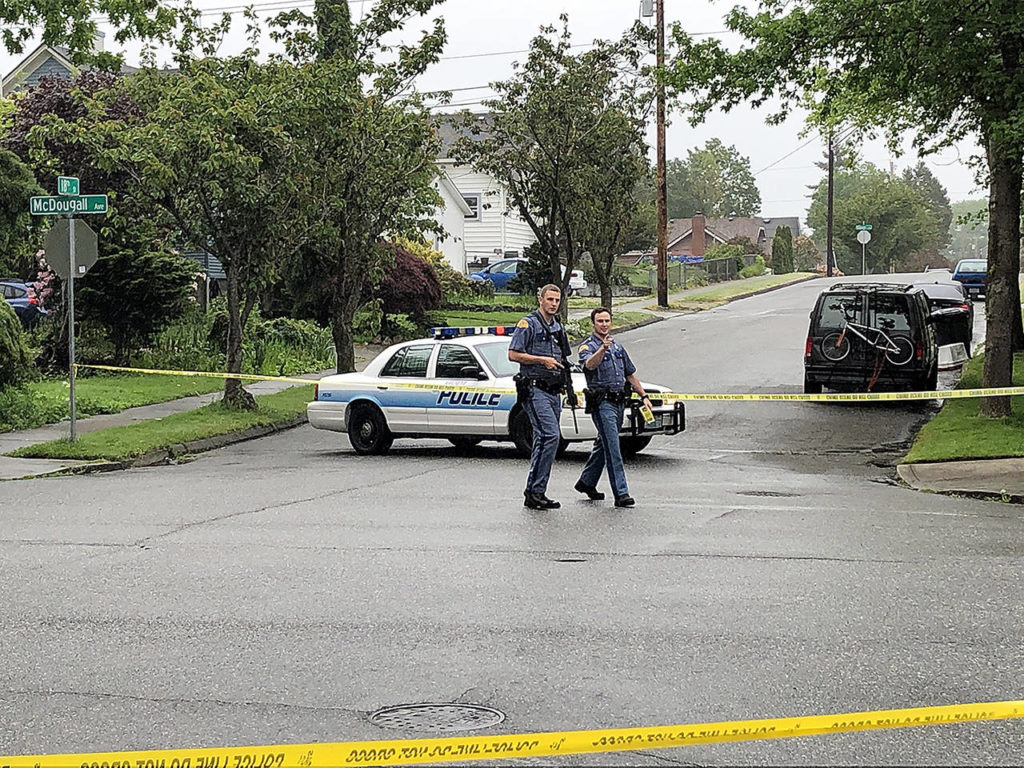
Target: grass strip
[(128, 442), (958, 432), (734, 288)]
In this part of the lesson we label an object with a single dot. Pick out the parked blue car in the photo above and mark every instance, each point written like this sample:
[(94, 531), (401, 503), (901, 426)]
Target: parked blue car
[(501, 272), (971, 274), (22, 299)]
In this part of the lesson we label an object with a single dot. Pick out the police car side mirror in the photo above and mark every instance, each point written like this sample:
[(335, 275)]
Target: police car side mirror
[(472, 372)]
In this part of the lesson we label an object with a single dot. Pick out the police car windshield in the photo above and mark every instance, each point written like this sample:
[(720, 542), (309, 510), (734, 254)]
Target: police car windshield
[(496, 357)]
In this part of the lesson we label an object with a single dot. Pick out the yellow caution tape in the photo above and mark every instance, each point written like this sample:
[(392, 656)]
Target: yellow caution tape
[(478, 748), (941, 394), (247, 376)]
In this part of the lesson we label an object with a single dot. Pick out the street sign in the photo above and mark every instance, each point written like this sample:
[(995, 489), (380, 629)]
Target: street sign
[(58, 253), (54, 206), (863, 227), (67, 185), (863, 237)]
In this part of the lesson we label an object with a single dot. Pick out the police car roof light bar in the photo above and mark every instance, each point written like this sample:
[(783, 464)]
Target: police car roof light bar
[(490, 330)]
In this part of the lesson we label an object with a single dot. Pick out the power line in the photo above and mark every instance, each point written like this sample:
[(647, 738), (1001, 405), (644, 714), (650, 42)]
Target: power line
[(788, 154)]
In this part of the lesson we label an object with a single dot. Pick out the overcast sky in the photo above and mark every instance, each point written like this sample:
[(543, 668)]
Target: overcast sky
[(487, 36)]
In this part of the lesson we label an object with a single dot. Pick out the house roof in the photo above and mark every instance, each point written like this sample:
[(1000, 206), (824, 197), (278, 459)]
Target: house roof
[(450, 128), (453, 191), (45, 61), (756, 229)]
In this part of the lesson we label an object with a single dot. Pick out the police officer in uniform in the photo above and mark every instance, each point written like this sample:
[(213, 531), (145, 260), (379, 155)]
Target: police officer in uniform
[(607, 367), (538, 346)]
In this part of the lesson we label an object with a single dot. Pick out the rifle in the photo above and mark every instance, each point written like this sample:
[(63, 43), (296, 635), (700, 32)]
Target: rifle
[(570, 389)]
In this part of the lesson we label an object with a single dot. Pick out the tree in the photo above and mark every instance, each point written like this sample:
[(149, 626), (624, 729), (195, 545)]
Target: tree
[(902, 224), (15, 361), (73, 24), (565, 136), (782, 251), (715, 180), (17, 226), (920, 178), (890, 64), (138, 285), (207, 149), (807, 257), (374, 156)]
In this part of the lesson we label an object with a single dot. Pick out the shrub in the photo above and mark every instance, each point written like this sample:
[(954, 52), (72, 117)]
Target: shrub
[(754, 270), (15, 362), (453, 283), (410, 285)]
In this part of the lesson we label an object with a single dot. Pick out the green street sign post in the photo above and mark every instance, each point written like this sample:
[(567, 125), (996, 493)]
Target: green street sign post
[(863, 226), (69, 205), (67, 185)]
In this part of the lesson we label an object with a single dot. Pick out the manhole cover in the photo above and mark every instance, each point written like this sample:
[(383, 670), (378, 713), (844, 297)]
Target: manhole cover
[(437, 718)]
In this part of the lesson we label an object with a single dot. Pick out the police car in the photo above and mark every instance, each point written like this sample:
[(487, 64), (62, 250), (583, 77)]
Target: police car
[(457, 385)]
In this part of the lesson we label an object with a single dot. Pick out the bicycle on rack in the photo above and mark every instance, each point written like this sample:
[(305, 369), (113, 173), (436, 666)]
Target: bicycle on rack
[(836, 346)]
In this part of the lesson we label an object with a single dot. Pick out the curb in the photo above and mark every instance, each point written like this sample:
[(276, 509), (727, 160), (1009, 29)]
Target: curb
[(172, 453), (908, 476)]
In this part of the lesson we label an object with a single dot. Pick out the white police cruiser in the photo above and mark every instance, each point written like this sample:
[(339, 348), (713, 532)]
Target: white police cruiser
[(457, 385)]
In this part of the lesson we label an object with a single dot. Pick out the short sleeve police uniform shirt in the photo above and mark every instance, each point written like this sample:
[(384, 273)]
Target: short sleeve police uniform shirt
[(535, 337), (613, 369)]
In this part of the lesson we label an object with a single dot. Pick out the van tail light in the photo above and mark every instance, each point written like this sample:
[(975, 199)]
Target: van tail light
[(807, 347), (920, 350), (316, 392), (33, 300), (964, 306)]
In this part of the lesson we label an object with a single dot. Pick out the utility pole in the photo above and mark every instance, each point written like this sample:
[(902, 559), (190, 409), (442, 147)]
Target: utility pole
[(828, 226), (661, 182)]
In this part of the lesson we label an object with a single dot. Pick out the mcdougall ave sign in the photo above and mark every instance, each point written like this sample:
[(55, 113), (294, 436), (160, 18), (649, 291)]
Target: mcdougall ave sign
[(51, 206)]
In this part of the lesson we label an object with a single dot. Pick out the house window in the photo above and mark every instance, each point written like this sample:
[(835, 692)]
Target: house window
[(473, 201)]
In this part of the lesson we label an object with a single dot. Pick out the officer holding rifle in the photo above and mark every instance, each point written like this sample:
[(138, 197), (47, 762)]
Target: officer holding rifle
[(541, 348), (608, 368)]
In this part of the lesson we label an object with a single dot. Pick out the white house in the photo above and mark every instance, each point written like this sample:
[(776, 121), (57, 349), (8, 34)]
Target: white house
[(492, 229), (452, 216)]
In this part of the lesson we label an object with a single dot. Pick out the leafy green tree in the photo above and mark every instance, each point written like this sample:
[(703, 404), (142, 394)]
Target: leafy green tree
[(15, 361), (373, 155), (18, 229), (565, 136), (927, 66), (921, 178), (138, 285), (74, 24), (208, 150), (715, 180), (806, 254), (782, 251), (902, 224)]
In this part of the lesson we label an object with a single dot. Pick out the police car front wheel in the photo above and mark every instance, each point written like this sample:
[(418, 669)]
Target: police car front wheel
[(368, 431)]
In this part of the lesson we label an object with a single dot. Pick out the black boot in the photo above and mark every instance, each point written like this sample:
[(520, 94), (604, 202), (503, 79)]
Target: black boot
[(539, 501), (624, 501), (591, 491)]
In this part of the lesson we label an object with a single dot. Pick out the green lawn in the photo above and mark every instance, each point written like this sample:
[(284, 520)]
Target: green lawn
[(122, 443), (46, 402), (957, 432)]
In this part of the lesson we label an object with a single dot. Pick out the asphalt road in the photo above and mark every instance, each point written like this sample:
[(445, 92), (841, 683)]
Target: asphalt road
[(281, 590)]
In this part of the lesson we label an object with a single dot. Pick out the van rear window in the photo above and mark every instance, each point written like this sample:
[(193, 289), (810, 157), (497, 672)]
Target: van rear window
[(837, 309), (890, 313)]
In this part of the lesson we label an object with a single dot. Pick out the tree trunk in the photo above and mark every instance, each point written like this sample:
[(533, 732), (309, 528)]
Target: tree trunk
[(344, 304), (235, 395), (1002, 303)]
